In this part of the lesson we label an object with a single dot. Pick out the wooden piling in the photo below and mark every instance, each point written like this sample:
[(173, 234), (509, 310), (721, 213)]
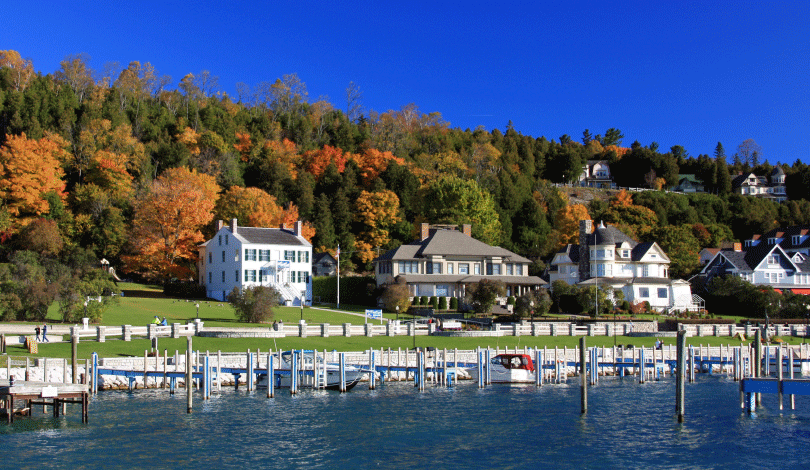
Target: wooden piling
[(583, 376), (189, 376), (74, 357), (680, 381)]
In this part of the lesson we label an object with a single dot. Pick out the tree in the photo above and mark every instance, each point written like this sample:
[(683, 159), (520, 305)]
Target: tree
[(167, 223), (254, 304), (377, 213), (452, 200), (22, 69), (682, 247), (354, 106), (748, 152), (42, 237), (256, 208), (29, 169), (613, 136), (396, 295), (566, 223), (536, 302), (483, 295)]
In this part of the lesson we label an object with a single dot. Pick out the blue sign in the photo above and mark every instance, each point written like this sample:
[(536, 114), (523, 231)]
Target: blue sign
[(282, 264), (374, 314)]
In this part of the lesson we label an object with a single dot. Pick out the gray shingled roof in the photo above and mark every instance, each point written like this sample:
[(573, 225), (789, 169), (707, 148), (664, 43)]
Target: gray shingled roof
[(449, 243), (466, 279), (269, 236)]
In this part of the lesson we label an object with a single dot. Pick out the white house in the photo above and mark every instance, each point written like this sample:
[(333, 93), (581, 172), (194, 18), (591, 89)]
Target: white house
[(607, 257), (251, 256)]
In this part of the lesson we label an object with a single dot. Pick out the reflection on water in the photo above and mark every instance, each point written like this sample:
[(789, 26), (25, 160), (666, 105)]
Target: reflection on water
[(628, 425)]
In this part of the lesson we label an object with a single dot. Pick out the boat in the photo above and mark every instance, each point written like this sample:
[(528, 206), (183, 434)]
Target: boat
[(510, 368), (308, 363)]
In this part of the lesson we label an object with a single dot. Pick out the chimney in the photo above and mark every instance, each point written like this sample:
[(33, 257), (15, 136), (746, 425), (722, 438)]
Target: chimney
[(220, 224), (466, 229), (233, 226), (585, 229), (298, 228), (738, 246), (424, 231)]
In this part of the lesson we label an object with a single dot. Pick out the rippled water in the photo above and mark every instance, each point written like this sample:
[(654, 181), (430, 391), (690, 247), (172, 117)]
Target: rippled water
[(628, 425)]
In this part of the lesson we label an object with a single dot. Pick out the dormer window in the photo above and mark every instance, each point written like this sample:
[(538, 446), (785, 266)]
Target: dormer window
[(773, 259), (749, 243), (772, 240), (797, 239)]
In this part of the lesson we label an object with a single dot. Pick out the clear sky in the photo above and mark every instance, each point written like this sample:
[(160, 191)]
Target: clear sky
[(688, 73)]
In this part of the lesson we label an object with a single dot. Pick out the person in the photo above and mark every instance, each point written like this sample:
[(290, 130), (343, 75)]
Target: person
[(658, 343), (36, 330), (156, 321), (45, 333), (164, 322)]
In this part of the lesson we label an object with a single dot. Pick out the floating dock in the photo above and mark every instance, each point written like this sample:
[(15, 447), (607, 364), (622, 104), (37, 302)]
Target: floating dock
[(25, 394)]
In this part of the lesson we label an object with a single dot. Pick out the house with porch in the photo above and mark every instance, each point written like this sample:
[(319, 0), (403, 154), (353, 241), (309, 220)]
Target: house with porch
[(252, 256), (608, 258), (445, 259), (596, 174)]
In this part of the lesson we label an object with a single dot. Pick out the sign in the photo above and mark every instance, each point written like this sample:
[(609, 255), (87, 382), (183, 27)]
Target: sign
[(50, 392), (374, 314), (283, 264)]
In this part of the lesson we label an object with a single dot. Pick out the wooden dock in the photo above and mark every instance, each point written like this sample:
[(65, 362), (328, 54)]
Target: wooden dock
[(55, 395)]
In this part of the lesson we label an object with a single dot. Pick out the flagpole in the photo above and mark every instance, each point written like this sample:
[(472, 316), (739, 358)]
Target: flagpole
[(338, 277)]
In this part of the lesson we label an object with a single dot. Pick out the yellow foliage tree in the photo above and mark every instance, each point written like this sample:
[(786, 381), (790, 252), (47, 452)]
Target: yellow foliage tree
[(566, 223), (22, 69), (377, 211), (30, 169), (256, 208)]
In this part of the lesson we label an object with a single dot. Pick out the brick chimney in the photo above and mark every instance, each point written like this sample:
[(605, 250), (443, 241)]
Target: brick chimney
[(424, 231), (585, 229), (220, 224), (233, 226), (466, 229)]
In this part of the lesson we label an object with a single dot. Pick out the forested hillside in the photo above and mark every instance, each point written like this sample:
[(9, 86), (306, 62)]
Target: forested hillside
[(132, 166)]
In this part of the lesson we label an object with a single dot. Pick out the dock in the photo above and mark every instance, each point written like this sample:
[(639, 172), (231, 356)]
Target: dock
[(25, 394)]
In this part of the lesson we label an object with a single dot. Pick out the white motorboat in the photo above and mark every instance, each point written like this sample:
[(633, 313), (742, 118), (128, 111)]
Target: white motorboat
[(316, 372), (510, 368)]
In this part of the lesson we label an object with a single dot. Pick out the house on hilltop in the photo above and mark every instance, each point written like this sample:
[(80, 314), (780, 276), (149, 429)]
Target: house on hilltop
[(444, 260), (772, 187), (251, 256), (608, 258), (596, 174)]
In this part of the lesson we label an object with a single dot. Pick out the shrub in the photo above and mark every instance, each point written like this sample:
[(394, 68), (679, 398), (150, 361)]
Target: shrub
[(254, 304), (423, 300), (442, 303), (434, 302), (510, 300), (453, 303)]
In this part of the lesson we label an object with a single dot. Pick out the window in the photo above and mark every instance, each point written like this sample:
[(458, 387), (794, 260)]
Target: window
[(772, 241), (797, 239), (434, 268), (643, 292), (477, 268), (250, 254), (223, 256), (250, 275), (264, 255), (289, 255), (210, 257), (303, 276), (773, 259), (662, 292), (210, 277), (464, 268), (409, 267), (236, 275), (442, 290), (450, 268), (262, 276), (223, 276), (303, 257), (493, 269), (645, 271), (220, 240), (510, 269), (226, 238)]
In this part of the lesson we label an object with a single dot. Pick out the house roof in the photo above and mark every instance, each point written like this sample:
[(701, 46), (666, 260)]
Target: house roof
[(269, 236), (608, 235), (325, 256), (449, 243), (786, 234)]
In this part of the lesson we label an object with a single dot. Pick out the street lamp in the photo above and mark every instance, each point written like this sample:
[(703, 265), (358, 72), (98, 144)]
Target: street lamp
[(198, 310), (397, 307)]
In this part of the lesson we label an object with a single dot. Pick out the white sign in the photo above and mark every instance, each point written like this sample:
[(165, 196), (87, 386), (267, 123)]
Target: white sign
[(374, 314), (283, 264), (50, 392)]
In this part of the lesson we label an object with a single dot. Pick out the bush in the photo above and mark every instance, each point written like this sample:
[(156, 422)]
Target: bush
[(254, 304), (453, 303), (423, 300), (442, 303), (415, 301), (434, 302), (510, 300)]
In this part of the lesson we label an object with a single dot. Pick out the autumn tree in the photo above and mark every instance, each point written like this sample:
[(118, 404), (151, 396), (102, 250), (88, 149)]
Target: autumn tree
[(395, 295), (254, 304), (29, 169), (452, 200), (255, 208), (167, 223), (376, 212), (22, 69), (566, 223)]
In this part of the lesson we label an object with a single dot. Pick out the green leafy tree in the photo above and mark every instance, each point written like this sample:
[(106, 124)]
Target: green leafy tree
[(254, 304), (452, 200), (682, 248), (483, 295)]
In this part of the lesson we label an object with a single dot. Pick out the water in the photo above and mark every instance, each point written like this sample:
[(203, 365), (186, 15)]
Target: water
[(628, 425)]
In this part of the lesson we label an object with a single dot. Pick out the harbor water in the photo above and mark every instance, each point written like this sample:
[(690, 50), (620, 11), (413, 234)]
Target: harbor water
[(628, 425)]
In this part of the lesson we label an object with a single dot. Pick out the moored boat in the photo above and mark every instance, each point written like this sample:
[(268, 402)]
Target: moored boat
[(313, 373), (510, 368)]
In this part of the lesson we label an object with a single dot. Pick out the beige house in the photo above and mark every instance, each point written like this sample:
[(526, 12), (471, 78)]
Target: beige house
[(444, 260)]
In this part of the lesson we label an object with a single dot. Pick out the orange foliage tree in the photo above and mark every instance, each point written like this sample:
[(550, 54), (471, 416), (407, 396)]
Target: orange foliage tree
[(377, 212), (167, 223), (316, 161), (256, 208), (372, 162), (566, 223), (30, 169)]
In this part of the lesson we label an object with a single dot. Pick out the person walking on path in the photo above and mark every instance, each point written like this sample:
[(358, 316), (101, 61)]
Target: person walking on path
[(36, 330), (45, 333)]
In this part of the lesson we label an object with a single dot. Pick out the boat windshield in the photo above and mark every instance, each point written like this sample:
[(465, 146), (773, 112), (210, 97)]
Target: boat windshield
[(513, 361)]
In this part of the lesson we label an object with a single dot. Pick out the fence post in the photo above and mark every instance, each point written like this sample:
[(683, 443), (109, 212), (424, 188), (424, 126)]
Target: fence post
[(347, 329), (101, 334), (126, 332)]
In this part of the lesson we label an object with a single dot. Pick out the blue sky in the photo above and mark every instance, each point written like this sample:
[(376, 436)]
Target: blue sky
[(676, 72)]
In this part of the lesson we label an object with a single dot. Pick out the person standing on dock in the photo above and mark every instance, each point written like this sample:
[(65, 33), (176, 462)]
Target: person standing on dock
[(45, 333), (36, 330)]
